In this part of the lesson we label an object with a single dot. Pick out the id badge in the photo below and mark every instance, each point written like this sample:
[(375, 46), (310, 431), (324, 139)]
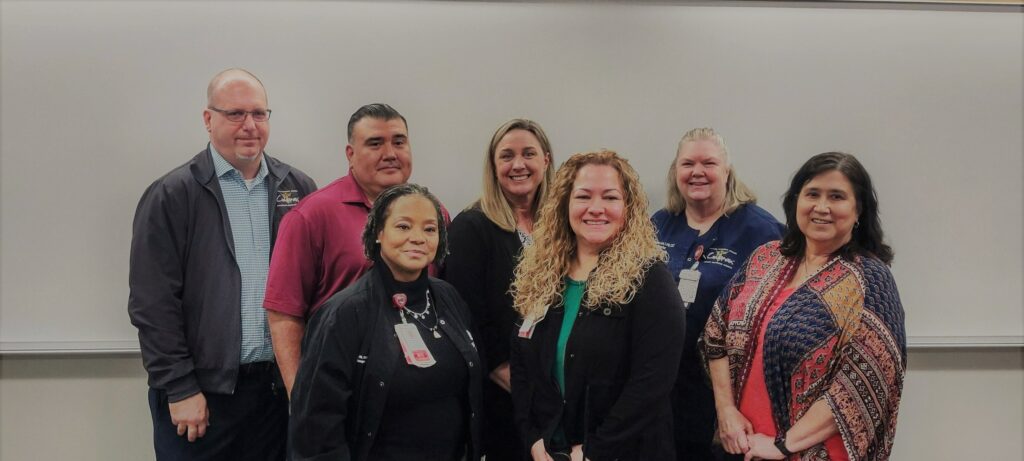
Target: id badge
[(526, 330), (415, 350), (689, 279)]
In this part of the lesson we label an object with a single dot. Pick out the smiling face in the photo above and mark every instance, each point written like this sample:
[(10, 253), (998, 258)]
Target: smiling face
[(597, 208), (701, 173), (826, 212), (519, 164), (409, 237), (379, 155), (240, 143)]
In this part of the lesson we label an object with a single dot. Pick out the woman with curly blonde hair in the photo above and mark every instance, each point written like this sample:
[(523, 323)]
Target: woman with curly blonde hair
[(599, 344)]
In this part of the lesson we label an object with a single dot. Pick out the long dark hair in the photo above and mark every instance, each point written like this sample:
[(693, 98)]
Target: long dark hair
[(867, 239), (382, 208)]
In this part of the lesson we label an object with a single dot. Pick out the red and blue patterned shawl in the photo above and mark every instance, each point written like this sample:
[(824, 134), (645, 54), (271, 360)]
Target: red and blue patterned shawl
[(839, 337)]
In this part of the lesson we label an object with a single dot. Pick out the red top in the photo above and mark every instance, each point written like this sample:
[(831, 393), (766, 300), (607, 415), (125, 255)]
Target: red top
[(319, 249), (754, 402)]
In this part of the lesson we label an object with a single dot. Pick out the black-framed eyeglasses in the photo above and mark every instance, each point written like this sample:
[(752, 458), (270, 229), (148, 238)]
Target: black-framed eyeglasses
[(258, 115)]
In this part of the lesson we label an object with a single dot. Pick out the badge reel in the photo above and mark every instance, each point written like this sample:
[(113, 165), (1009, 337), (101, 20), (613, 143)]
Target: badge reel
[(689, 279), (413, 347)]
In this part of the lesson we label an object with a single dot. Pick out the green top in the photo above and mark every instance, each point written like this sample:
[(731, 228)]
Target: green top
[(573, 295)]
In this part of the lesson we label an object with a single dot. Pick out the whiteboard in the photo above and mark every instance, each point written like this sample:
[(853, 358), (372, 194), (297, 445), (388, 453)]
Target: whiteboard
[(97, 99)]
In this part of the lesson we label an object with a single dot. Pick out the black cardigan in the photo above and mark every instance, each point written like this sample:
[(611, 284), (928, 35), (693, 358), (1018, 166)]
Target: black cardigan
[(481, 263), (348, 357), (620, 366)]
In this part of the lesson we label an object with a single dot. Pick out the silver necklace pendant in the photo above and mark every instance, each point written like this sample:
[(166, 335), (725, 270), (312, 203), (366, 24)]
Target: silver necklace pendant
[(436, 334)]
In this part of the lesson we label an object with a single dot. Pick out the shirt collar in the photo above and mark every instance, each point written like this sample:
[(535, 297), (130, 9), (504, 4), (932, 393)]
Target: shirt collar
[(351, 192), (222, 167)]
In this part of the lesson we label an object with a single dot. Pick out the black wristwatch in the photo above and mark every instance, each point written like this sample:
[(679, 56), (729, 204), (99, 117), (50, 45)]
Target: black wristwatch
[(780, 443)]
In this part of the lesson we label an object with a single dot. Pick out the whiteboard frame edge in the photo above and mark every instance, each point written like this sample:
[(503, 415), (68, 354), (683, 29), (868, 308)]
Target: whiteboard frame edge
[(131, 347)]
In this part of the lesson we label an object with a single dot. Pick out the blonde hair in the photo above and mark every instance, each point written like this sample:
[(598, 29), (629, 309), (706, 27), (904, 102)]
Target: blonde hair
[(621, 267), (736, 192), (493, 203)]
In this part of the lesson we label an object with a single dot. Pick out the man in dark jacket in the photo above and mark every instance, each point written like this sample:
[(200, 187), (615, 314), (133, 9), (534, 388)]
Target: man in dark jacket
[(201, 244)]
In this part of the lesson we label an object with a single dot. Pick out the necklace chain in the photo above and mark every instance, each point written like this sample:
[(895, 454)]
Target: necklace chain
[(805, 272), (420, 315), (417, 316)]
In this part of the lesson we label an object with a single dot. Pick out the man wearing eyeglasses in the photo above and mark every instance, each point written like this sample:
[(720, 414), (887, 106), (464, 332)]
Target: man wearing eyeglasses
[(201, 243)]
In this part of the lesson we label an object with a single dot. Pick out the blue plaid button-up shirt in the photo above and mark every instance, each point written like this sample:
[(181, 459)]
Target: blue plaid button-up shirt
[(248, 212)]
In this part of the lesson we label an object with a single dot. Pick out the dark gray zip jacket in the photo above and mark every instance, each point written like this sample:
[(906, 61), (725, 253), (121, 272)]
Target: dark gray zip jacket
[(185, 286)]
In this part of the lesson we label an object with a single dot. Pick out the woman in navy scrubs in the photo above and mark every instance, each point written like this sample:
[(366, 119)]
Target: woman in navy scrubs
[(708, 228)]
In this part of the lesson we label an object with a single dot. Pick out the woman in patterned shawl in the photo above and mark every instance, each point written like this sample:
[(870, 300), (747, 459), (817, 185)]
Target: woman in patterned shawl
[(806, 347)]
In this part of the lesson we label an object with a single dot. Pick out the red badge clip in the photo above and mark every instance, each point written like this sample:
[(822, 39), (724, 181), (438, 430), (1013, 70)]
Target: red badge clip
[(399, 300)]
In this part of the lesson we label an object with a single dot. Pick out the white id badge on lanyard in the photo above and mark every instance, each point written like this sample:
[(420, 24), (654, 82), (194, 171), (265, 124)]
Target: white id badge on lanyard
[(526, 331), (415, 350), (689, 279)]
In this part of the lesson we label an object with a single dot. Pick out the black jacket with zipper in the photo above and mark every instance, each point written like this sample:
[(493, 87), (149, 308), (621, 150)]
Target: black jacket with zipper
[(620, 365), (348, 358), (185, 288)]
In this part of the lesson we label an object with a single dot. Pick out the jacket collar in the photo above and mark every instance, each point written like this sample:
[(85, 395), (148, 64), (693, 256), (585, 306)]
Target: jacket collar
[(204, 171)]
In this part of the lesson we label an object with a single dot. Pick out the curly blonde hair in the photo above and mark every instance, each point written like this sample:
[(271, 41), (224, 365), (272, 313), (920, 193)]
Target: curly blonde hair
[(621, 267)]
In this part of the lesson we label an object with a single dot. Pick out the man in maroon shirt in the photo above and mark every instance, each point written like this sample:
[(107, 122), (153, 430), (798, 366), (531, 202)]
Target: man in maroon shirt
[(319, 248)]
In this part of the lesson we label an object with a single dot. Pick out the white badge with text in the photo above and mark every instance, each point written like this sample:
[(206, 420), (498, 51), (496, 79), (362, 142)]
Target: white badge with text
[(415, 350), (688, 281)]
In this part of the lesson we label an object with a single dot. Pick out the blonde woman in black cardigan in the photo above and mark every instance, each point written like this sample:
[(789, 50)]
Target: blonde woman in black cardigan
[(596, 354), (486, 241)]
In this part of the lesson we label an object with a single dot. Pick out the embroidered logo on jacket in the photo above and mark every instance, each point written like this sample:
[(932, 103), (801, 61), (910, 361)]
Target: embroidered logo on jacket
[(722, 256), (287, 198)]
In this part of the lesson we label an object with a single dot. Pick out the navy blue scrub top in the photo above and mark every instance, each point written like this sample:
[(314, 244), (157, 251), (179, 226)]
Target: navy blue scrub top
[(726, 246)]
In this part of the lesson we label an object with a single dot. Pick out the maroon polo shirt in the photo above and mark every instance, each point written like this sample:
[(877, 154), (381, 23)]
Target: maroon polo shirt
[(319, 249)]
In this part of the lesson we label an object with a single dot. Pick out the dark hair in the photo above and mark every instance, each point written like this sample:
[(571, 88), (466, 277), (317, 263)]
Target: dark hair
[(382, 209), (376, 110), (867, 237)]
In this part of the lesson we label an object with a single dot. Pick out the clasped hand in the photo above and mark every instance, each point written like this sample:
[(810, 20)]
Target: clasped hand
[(738, 437), (538, 452)]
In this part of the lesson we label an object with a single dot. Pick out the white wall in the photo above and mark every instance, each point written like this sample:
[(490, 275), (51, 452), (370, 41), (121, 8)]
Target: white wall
[(957, 405), (100, 98)]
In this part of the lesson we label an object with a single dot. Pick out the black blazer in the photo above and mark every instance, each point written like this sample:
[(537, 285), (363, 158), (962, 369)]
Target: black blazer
[(348, 358), (620, 365)]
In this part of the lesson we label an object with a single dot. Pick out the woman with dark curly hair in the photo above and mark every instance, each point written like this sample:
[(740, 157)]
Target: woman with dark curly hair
[(806, 347), (389, 370), (599, 344)]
